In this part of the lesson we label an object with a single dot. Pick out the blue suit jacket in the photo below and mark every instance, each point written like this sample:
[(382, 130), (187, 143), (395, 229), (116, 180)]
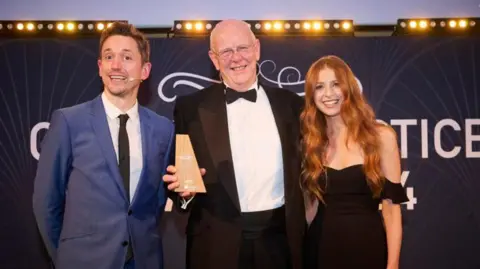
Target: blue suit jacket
[(79, 201)]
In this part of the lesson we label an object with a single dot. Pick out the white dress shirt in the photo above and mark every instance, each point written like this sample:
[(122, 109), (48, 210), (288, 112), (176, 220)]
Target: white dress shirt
[(256, 153), (134, 138)]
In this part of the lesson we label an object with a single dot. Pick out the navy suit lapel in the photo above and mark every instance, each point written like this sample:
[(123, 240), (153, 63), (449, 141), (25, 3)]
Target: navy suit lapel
[(102, 133), (146, 131)]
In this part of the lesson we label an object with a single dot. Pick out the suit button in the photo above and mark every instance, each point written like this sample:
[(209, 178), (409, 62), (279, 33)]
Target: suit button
[(130, 212), (124, 243)]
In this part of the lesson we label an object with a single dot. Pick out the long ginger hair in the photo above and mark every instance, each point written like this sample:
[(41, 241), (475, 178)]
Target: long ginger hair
[(360, 122)]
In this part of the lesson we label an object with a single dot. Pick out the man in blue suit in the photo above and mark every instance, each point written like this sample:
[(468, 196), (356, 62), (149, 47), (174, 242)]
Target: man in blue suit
[(98, 194)]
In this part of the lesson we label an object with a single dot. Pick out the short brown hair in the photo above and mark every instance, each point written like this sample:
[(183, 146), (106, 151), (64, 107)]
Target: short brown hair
[(125, 29)]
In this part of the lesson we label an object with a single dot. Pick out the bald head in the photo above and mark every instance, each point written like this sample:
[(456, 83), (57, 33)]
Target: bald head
[(229, 29), (234, 51)]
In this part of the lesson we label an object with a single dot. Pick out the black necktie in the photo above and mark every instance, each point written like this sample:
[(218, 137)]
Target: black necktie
[(124, 166), (232, 95), (124, 154)]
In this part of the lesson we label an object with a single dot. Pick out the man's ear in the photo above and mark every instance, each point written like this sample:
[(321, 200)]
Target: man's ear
[(146, 68), (214, 59)]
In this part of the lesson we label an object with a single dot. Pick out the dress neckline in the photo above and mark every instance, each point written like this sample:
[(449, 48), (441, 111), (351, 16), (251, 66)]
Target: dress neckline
[(344, 168)]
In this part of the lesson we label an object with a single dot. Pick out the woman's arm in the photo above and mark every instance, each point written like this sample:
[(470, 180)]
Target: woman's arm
[(390, 165)]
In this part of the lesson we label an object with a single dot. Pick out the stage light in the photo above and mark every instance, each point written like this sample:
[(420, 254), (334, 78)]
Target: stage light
[(423, 24), (346, 25), (52, 28), (267, 26), (307, 26), (277, 26), (452, 23), (437, 26), (70, 26), (272, 27), (198, 26)]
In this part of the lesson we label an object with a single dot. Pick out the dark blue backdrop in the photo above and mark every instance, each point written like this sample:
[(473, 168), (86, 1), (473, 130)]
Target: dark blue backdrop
[(425, 87)]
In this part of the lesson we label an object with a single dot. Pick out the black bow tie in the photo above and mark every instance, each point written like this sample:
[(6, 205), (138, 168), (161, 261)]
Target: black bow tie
[(232, 95)]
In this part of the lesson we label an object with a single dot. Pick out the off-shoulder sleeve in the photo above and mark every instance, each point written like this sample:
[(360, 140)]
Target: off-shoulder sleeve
[(394, 192)]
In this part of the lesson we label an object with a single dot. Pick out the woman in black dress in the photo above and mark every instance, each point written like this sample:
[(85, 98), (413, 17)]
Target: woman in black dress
[(351, 166)]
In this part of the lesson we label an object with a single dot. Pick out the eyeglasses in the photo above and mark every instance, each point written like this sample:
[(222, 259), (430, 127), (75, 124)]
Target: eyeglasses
[(243, 50)]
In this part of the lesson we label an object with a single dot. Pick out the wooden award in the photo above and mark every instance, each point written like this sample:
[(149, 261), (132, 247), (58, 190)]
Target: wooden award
[(188, 172)]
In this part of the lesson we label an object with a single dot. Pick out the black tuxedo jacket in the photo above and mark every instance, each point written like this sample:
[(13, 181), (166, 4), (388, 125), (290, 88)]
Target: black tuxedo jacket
[(213, 229)]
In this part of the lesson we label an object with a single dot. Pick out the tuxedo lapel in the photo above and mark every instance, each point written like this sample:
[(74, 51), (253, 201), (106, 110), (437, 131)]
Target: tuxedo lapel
[(213, 116), (283, 118), (102, 133)]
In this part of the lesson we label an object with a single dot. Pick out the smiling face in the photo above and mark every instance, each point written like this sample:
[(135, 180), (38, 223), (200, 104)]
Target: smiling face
[(121, 66), (328, 95), (235, 52)]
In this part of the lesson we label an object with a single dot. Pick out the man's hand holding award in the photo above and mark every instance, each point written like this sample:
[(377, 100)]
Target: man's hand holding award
[(185, 177)]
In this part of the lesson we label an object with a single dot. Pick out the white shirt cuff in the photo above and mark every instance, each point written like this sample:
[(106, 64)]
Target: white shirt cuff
[(185, 202)]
